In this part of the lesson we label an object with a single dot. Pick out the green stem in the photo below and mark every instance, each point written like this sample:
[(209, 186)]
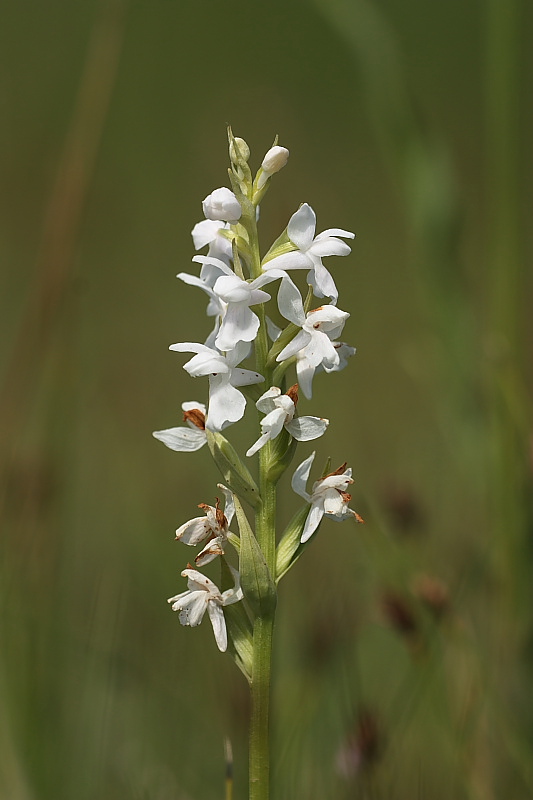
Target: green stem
[(259, 775), (265, 531)]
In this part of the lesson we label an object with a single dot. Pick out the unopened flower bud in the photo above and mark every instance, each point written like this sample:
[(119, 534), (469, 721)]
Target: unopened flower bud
[(275, 159), (222, 205), (239, 145)]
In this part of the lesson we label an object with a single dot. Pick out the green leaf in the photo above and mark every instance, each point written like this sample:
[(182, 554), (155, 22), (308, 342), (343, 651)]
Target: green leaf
[(236, 474), (239, 627), (256, 581), (289, 548)]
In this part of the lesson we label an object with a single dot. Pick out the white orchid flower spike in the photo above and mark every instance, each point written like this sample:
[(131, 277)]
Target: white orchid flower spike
[(226, 403), (203, 595), (186, 439), (328, 496), (311, 250), (214, 526), (280, 412)]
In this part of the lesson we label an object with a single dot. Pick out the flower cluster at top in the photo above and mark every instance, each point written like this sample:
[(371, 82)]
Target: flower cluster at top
[(239, 284)]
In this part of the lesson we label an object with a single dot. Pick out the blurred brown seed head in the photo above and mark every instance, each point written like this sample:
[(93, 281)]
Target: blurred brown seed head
[(399, 613), (404, 509), (433, 593), (362, 747)]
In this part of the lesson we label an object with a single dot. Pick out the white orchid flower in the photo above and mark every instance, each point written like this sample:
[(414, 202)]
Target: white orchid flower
[(304, 370), (226, 403), (328, 496), (203, 595), (280, 410), (213, 526), (239, 323), (208, 232), (191, 438), (215, 308), (311, 250), (314, 345), (222, 205)]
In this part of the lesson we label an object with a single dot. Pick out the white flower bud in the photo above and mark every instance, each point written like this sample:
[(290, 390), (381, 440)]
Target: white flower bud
[(275, 159), (244, 150), (222, 205)]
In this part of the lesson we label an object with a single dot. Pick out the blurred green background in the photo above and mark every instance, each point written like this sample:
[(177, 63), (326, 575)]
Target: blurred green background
[(403, 652)]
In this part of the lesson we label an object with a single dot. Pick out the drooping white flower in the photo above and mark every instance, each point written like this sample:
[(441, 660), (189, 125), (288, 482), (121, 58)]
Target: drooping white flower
[(280, 410), (208, 232), (240, 323), (222, 205), (311, 250), (328, 496), (226, 403), (203, 595), (274, 160), (213, 526), (186, 439)]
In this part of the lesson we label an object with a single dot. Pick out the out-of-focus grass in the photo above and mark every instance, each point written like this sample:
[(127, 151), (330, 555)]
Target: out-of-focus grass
[(383, 108)]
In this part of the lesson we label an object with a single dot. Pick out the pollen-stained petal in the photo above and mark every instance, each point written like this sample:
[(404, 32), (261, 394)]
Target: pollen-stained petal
[(194, 531)]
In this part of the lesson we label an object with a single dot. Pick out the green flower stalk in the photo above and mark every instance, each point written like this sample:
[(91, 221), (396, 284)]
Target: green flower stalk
[(234, 276)]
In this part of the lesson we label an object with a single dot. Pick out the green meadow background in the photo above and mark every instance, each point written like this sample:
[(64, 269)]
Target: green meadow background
[(403, 665)]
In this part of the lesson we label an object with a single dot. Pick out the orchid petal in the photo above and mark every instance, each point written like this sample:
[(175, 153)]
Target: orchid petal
[(182, 439), (216, 615), (301, 476), (290, 302), (301, 340), (312, 522), (226, 404), (194, 531), (301, 227), (304, 429)]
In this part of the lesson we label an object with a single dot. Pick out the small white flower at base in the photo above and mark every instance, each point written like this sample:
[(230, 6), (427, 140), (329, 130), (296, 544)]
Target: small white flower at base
[(274, 160), (213, 526), (203, 595), (311, 250), (186, 440), (328, 496), (280, 410), (222, 205)]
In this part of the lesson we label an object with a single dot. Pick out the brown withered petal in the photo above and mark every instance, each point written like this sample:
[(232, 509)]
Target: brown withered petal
[(195, 416), (293, 393), (221, 519), (338, 471)]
